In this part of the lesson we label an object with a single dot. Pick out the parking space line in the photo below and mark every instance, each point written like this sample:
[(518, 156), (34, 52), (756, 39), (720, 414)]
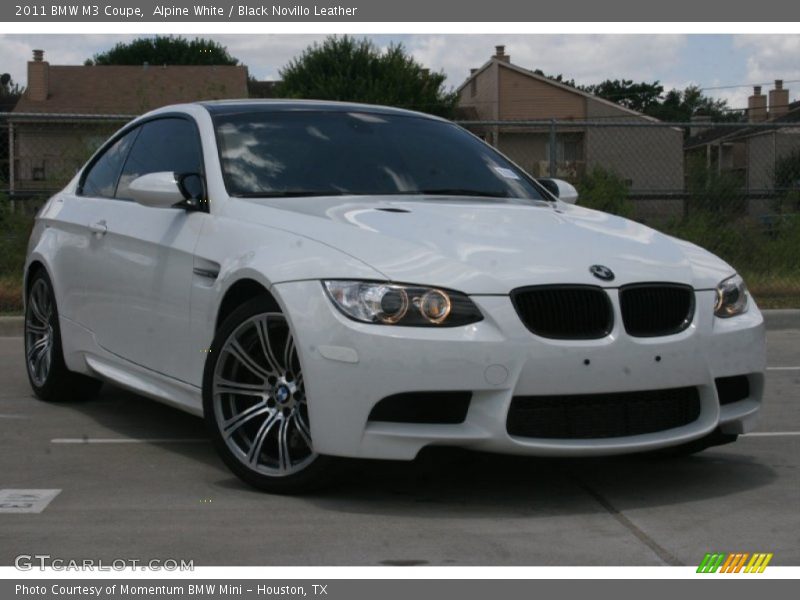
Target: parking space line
[(662, 553), (772, 434), (7, 416), (783, 368), (88, 440)]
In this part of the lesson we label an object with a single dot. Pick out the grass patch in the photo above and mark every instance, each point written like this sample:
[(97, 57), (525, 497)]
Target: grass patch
[(767, 259)]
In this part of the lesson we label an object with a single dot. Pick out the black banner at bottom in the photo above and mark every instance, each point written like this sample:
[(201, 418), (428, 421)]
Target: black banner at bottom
[(395, 589)]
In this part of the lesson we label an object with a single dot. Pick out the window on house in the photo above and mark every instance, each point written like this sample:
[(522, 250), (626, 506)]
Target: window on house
[(38, 172), (566, 150), (473, 87), (572, 150)]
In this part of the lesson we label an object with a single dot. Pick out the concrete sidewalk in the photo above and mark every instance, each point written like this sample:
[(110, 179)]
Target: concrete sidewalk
[(776, 319)]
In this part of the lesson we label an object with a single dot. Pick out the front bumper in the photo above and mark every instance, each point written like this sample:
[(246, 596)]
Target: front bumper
[(349, 367)]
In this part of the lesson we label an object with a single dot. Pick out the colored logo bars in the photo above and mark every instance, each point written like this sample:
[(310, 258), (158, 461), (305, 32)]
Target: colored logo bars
[(721, 562)]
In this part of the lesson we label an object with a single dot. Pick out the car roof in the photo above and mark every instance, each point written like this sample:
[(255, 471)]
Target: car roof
[(232, 107)]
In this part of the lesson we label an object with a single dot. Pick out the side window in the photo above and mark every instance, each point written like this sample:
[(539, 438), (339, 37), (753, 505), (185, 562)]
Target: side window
[(101, 180), (163, 145)]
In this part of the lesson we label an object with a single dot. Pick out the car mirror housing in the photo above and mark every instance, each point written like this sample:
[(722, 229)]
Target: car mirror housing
[(156, 190), (561, 189)]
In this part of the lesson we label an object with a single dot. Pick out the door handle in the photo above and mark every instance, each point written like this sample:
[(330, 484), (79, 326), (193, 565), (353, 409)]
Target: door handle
[(100, 228)]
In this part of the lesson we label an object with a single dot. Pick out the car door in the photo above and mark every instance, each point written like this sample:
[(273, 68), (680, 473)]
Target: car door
[(140, 307), (78, 264)]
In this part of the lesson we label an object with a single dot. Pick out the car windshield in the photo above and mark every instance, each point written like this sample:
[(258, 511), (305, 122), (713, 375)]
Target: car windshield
[(321, 153)]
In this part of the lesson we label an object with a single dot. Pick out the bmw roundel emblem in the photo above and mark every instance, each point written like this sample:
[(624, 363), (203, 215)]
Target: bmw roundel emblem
[(282, 394), (602, 272)]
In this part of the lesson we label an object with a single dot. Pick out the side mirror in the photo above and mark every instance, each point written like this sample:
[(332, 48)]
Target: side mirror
[(562, 190), (157, 190)]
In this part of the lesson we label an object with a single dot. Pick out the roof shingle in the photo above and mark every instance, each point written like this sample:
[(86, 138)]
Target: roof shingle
[(133, 90)]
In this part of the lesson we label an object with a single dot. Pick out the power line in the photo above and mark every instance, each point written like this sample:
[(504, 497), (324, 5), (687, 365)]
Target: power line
[(738, 85)]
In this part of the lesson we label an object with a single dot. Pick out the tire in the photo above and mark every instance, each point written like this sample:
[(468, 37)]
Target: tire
[(44, 358), (254, 403)]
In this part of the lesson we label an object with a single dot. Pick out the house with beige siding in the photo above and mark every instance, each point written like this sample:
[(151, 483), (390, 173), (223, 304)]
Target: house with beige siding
[(751, 151), (649, 158), (67, 111)]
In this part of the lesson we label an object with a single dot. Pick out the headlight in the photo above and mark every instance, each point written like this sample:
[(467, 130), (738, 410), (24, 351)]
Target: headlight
[(398, 304), (731, 297)]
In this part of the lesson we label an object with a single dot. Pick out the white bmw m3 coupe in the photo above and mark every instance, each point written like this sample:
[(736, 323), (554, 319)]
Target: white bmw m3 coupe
[(323, 280)]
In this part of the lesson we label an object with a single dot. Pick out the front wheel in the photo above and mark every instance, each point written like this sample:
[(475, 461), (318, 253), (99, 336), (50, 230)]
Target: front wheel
[(255, 404)]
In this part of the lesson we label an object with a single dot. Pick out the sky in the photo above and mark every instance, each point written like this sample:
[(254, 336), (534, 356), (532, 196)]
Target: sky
[(726, 66)]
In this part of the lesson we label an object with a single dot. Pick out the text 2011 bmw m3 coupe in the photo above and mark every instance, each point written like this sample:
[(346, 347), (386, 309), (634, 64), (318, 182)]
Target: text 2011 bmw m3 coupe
[(324, 280)]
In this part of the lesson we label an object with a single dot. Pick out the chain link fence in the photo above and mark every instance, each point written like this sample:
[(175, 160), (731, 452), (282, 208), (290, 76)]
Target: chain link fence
[(40, 153), (733, 188)]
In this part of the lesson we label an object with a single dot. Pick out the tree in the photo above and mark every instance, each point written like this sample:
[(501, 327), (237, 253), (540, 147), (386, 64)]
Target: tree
[(558, 78), (169, 50), (344, 68), (641, 97), (682, 105), (10, 93), (649, 98)]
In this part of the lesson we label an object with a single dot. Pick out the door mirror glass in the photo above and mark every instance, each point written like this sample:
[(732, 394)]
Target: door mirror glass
[(193, 187)]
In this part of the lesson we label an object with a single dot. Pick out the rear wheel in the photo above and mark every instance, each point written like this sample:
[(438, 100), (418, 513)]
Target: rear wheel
[(44, 358), (255, 403)]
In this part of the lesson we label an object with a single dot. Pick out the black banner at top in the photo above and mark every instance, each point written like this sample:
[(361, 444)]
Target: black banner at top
[(187, 11)]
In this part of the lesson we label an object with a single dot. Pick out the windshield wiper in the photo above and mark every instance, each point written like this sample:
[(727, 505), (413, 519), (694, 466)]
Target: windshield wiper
[(288, 193)]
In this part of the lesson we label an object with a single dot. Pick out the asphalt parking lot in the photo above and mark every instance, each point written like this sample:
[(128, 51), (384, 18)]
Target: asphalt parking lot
[(174, 498)]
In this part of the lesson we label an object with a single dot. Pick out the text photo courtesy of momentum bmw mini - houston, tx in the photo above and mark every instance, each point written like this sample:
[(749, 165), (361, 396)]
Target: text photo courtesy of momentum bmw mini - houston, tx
[(400, 300)]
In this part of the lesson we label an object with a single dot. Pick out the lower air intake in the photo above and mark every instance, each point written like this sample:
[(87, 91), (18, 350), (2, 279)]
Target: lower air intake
[(591, 416)]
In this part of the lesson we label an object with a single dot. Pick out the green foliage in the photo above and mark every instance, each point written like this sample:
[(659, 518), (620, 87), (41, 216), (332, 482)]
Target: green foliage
[(677, 106), (680, 106), (787, 171), (355, 70), (604, 190), (558, 78), (718, 195), (165, 50), (642, 96), (764, 253), (10, 93), (14, 232)]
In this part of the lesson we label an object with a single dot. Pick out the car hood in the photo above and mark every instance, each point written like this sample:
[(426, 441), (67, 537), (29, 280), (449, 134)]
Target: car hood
[(490, 247)]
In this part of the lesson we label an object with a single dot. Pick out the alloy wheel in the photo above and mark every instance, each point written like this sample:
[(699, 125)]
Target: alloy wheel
[(39, 334), (259, 399)]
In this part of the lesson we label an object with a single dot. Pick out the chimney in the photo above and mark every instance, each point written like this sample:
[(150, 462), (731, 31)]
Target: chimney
[(778, 100), (473, 71), (700, 123), (757, 106), (38, 77), (500, 54)]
